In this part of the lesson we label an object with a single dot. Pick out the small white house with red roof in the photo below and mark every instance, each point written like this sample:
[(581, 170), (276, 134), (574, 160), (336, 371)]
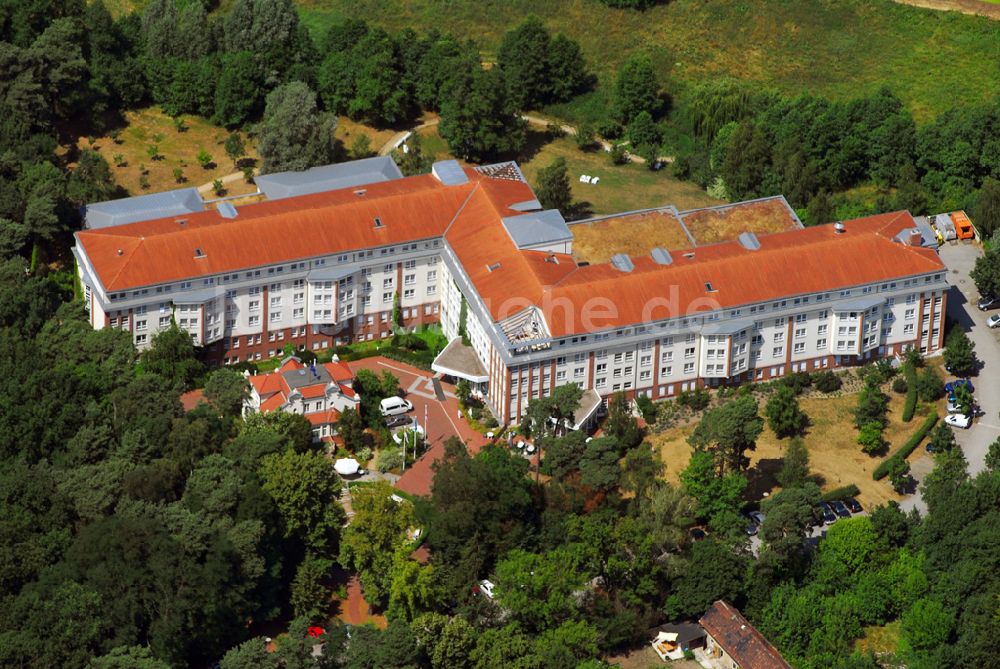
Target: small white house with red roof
[(317, 391)]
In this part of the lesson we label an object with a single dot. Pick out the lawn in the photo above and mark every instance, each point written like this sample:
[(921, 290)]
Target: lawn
[(621, 187), (880, 640), (147, 127), (837, 48), (833, 452)]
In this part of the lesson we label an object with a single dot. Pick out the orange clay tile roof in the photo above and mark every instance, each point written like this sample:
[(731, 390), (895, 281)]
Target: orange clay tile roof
[(788, 263), (468, 216), (267, 233), (742, 642), (323, 417)]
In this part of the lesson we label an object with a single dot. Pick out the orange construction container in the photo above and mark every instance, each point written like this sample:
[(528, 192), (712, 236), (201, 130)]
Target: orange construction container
[(963, 226)]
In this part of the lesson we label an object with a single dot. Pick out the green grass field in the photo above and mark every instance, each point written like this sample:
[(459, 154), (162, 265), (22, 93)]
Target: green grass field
[(837, 48)]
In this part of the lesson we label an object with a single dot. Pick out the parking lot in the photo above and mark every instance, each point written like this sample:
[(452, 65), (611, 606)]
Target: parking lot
[(975, 441), (442, 418)]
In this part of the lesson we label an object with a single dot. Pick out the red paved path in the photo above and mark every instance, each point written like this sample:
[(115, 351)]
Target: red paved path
[(443, 419)]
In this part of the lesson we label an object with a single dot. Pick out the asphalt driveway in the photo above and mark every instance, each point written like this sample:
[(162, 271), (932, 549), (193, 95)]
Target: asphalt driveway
[(962, 297)]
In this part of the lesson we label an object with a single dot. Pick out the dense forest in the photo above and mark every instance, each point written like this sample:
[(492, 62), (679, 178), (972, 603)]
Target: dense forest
[(135, 534)]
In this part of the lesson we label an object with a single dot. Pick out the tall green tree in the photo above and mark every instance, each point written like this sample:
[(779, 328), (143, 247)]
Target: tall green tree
[(294, 134), (552, 186), (728, 431), (478, 119), (986, 213), (171, 354), (377, 531), (959, 355), (306, 490), (795, 465), (637, 89), (783, 413)]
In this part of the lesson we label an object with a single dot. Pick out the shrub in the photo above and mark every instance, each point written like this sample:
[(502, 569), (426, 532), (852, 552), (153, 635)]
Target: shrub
[(870, 438), (885, 467), (842, 493), (910, 376), (647, 408), (364, 454), (899, 475), (899, 385), (827, 382), (798, 381), (618, 154), (872, 407), (696, 400), (929, 385), (389, 458)]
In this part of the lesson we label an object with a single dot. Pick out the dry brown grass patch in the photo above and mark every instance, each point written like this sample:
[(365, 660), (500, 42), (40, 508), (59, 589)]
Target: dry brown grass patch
[(709, 226), (634, 235)]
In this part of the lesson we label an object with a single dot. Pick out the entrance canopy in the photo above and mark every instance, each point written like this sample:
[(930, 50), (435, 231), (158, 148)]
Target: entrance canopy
[(589, 403), (460, 361)]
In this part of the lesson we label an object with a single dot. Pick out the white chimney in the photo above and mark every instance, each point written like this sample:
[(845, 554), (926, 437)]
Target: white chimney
[(838, 227)]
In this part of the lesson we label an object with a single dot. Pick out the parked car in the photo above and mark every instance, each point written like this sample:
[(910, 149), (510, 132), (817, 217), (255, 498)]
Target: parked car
[(951, 386), (993, 321), (853, 505), (840, 508), (485, 587), (397, 420), (958, 420), (828, 516), (394, 406), (988, 302), (756, 519)]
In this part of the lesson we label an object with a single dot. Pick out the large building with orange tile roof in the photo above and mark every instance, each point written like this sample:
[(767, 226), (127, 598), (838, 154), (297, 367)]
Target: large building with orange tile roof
[(320, 392), (749, 293)]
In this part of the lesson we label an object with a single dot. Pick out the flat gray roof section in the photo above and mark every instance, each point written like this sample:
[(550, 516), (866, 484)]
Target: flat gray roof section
[(537, 228), (142, 208), (356, 173), (449, 172), (307, 376), (460, 360)]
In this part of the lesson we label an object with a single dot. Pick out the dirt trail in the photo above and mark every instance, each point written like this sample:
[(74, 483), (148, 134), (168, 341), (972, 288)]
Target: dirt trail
[(973, 7)]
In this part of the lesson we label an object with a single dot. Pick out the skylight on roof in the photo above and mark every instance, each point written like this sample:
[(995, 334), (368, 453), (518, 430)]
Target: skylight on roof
[(378, 222), (198, 253), (708, 287), (494, 267)]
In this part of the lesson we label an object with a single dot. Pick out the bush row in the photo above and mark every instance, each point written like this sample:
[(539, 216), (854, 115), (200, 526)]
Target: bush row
[(910, 404), (904, 451), (842, 493)]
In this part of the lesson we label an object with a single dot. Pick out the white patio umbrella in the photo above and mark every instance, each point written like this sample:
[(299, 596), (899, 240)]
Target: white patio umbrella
[(346, 466)]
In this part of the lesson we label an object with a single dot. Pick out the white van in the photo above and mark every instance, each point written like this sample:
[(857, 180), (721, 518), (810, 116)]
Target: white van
[(394, 406)]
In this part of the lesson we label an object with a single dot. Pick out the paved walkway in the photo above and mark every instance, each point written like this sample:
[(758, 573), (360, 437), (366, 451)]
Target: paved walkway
[(975, 441), (973, 7), (441, 418)]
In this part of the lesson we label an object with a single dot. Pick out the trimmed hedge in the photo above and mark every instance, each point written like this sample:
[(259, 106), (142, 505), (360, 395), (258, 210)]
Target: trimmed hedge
[(904, 451), (842, 493), (910, 404)]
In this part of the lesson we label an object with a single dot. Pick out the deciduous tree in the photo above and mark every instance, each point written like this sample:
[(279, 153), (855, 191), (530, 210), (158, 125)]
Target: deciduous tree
[(294, 134)]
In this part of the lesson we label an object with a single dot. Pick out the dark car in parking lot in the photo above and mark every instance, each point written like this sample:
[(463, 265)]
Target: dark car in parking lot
[(988, 302), (840, 509), (828, 517), (853, 505), (398, 421)]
